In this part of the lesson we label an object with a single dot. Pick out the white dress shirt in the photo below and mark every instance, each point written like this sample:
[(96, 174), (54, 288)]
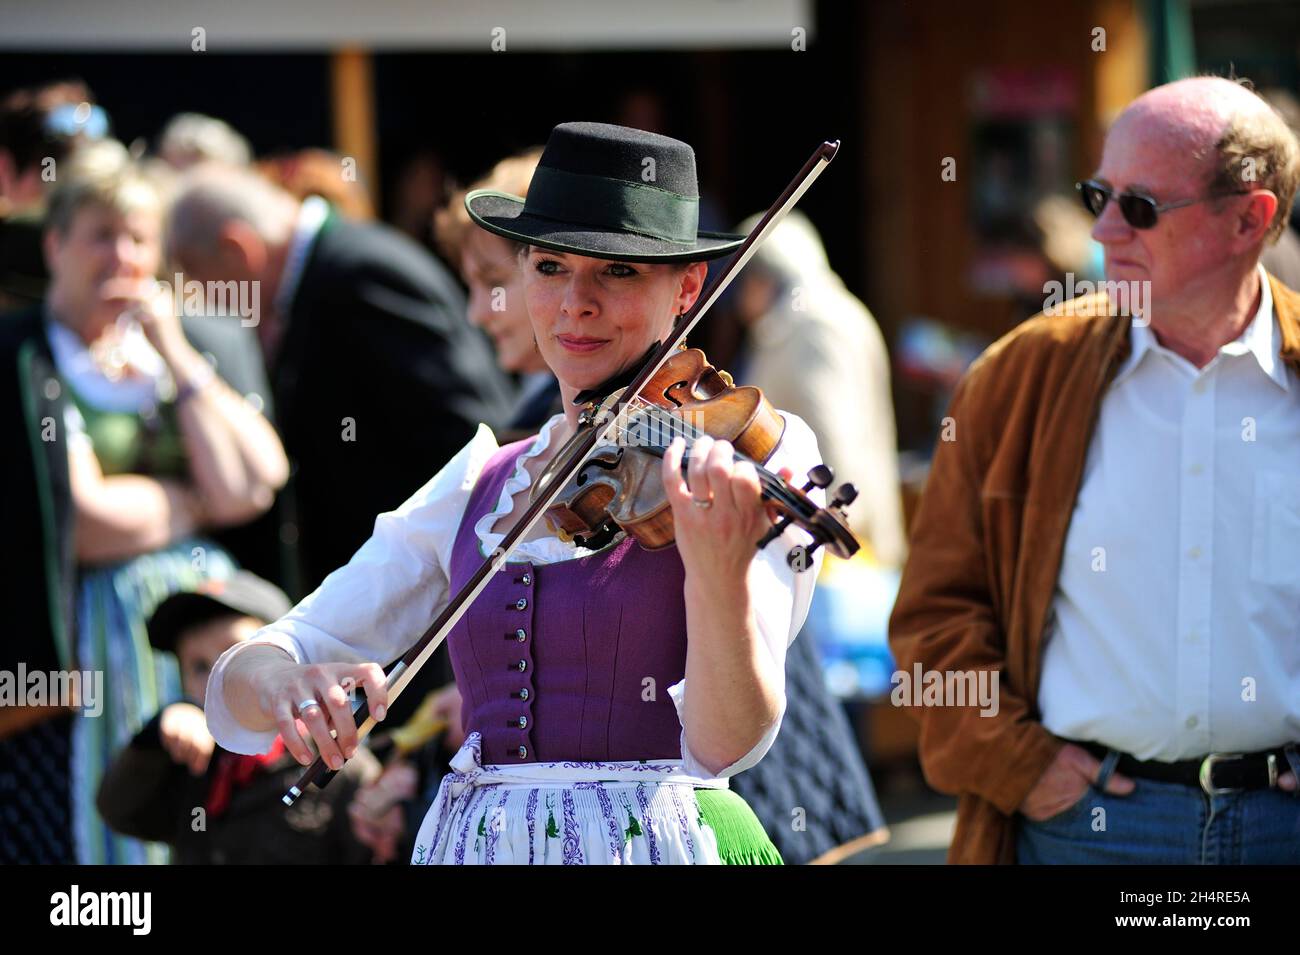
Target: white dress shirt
[(311, 216), (1174, 629), (377, 605)]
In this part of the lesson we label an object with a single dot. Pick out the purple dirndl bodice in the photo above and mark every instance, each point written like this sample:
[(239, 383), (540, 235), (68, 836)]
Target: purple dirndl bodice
[(570, 660)]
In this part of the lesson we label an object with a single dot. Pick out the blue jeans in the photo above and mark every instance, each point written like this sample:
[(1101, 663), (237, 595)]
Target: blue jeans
[(1167, 824)]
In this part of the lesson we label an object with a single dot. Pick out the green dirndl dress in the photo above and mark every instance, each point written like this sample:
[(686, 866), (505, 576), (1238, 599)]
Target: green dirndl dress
[(113, 602)]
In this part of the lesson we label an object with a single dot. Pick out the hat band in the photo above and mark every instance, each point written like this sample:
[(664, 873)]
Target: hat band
[(612, 204)]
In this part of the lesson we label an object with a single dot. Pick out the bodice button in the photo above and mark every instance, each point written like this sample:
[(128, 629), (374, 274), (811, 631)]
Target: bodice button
[(521, 603)]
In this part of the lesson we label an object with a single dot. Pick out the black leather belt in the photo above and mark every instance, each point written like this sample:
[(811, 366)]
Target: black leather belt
[(1215, 774)]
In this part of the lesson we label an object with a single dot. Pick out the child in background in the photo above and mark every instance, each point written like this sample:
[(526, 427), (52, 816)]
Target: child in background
[(173, 784)]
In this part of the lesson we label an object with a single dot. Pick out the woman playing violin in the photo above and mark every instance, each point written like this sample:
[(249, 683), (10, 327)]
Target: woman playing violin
[(609, 693)]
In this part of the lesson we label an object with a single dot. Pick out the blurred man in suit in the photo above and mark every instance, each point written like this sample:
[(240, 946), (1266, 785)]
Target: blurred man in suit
[(377, 377)]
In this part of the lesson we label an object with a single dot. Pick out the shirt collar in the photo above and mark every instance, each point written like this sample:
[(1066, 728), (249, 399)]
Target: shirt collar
[(1263, 338), (311, 216), (1260, 339)]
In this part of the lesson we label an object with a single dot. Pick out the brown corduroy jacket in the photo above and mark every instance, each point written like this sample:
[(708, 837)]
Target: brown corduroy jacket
[(986, 548)]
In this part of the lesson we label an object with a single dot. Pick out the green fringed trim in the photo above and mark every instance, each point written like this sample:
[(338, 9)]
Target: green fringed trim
[(742, 840)]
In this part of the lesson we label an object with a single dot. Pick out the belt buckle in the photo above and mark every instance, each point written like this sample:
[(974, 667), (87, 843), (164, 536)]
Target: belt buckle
[(1207, 774)]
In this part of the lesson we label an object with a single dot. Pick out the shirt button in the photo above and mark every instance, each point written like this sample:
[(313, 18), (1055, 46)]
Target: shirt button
[(1200, 386), (521, 635), (1191, 722), (521, 603), (523, 693), (523, 665), (1194, 552), (526, 579), (1196, 469), (523, 722), (523, 752)]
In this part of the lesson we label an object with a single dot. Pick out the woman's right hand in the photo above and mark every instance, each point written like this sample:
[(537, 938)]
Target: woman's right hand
[(272, 686)]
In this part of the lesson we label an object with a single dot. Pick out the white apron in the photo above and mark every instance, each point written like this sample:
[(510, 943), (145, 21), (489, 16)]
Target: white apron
[(565, 813)]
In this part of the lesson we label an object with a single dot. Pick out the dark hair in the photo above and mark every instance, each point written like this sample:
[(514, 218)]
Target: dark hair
[(23, 122)]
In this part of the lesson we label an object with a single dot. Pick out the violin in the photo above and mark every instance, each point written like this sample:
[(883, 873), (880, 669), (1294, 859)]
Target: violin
[(619, 486)]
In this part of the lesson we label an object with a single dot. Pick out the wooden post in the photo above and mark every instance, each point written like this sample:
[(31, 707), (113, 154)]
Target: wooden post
[(1121, 75), (353, 86)]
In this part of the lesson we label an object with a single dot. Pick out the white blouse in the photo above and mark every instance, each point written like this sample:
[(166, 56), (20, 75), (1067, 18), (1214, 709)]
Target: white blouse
[(375, 606)]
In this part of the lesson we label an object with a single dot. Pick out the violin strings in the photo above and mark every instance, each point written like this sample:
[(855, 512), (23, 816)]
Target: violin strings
[(679, 427)]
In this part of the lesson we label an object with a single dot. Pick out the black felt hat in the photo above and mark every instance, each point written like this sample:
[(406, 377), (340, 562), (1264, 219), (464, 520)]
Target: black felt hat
[(609, 192)]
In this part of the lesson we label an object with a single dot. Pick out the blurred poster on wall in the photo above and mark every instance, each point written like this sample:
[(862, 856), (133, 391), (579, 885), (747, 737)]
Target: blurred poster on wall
[(1022, 142)]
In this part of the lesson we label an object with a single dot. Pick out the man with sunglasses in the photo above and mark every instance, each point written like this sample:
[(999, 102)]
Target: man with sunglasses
[(1113, 524)]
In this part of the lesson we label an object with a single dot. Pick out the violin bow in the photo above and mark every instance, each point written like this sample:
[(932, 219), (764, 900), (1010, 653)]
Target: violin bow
[(405, 669)]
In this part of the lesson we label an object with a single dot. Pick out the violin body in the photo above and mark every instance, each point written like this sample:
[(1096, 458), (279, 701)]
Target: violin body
[(619, 486)]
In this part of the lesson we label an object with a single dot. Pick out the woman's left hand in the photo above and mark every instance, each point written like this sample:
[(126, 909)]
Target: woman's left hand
[(717, 540)]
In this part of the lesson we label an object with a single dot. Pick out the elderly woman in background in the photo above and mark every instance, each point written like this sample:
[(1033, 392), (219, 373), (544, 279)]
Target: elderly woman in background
[(159, 449), (489, 266)]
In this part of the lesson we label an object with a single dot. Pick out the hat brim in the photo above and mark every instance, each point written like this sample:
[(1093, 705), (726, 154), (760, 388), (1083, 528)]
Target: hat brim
[(503, 215)]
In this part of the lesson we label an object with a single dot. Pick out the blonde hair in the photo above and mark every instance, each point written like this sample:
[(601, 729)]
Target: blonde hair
[(102, 174), (451, 223)]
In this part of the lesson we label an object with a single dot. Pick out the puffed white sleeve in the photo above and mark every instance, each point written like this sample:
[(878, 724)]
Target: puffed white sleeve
[(376, 605), (75, 425), (779, 595)]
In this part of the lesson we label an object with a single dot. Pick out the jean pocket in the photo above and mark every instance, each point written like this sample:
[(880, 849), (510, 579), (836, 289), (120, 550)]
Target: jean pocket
[(1080, 805)]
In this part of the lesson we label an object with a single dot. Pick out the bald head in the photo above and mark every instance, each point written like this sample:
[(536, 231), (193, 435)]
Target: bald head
[(213, 198), (1194, 112), (1217, 169), (1229, 137)]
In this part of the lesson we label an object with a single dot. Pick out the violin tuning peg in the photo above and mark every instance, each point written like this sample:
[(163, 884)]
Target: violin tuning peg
[(775, 531), (819, 476), (845, 495)]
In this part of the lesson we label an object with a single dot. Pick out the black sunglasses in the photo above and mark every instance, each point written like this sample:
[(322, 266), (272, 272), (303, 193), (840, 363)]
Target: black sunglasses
[(1139, 211)]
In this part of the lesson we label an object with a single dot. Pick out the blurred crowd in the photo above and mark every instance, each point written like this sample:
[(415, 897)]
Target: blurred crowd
[(217, 370)]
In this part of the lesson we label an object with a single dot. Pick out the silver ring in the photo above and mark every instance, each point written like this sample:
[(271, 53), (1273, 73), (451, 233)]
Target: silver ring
[(307, 704), (702, 505)]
